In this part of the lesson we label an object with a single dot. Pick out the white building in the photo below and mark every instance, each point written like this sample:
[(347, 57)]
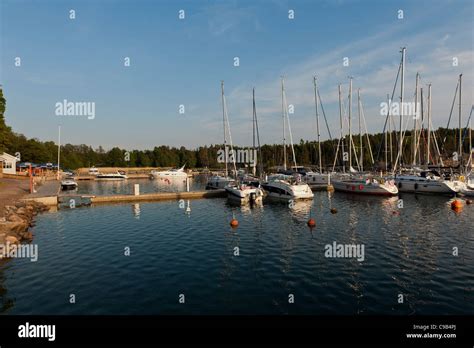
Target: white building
[(8, 163)]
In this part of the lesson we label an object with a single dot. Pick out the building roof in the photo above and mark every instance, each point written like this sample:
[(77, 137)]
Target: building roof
[(6, 157)]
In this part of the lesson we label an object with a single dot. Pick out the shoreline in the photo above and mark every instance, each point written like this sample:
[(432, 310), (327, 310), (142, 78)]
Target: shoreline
[(16, 214)]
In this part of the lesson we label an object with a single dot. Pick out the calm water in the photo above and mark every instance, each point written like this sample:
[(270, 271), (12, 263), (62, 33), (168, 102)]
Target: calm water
[(146, 186), (81, 251)]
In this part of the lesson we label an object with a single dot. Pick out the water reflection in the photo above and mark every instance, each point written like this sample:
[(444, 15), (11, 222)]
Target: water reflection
[(136, 210)]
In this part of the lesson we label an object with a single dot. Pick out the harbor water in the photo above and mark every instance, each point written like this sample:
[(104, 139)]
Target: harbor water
[(180, 257)]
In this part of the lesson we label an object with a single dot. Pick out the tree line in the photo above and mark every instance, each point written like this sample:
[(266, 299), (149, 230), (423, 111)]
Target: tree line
[(306, 152)]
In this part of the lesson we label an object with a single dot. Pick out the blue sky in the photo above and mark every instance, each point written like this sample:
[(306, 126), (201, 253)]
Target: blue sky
[(177, 62)]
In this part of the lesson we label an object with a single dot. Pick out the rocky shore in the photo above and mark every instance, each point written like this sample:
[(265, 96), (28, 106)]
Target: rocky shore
[(17, 220)]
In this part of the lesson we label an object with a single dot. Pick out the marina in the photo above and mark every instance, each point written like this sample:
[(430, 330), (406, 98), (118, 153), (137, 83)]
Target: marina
[(265, 171)]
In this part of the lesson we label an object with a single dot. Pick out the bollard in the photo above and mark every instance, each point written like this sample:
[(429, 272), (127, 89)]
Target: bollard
[(136, 189)]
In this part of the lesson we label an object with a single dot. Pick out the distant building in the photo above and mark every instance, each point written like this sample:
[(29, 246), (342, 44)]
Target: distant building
[(8, 163)]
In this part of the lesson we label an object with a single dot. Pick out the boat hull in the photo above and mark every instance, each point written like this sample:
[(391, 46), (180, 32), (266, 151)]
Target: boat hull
[(282, 190), (365, 189), (246, 195), (429, 186), (218, 183)]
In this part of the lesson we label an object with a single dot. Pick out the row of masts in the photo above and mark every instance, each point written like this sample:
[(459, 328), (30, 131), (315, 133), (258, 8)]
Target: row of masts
[(418, 131)]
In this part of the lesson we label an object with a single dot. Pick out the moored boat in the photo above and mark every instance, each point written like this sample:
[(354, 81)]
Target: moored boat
[(111, 176), (365, 185), (68, 184), (428, 182), (169, 174)]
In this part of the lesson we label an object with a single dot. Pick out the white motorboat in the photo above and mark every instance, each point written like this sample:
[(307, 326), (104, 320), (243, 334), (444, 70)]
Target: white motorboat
[(111, 176), (217, 182), (93, 171), (170, 174), (68, 184), (315, 180), (287, 189), (428, 182), (244, 193), (365, 186)]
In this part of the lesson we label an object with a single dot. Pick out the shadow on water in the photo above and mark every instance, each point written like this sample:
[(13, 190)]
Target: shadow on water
[(6, 303)]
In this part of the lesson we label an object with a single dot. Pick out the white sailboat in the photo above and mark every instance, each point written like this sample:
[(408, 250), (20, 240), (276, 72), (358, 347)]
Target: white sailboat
[(357, 183), (317, 179), (240, 191), (287, 187), (217, 182), (428, 181)]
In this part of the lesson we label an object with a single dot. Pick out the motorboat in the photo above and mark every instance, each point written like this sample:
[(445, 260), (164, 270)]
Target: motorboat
[(93, 171), (217, 182), (287, 188), (111, 176), (68, 184), (244, 193), (170, 174), (314, 179)]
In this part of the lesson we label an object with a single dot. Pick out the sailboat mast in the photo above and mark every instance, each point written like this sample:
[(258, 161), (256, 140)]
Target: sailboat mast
[(400, 149), (460, 121), (415, 122), (259, 157), (350, 123), (225, 127), (59, 150), (429, 126), (342, 129), (283, 118), (360, 132), (254, 169), (317, 124)]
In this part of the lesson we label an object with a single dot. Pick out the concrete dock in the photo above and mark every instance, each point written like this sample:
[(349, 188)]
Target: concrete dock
[(161, 196)]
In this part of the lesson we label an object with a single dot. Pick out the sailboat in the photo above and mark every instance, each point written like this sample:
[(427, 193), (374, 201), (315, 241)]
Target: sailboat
[(358, 183), (429, 180), (245, 191), (317, 179), (216, 182), (282, 186)]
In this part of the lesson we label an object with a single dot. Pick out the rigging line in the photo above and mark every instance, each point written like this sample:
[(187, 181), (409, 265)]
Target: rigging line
[(449, 119), (388, 113)]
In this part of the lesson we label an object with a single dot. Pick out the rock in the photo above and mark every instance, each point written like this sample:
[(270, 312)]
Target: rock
[(15, 218), (28, 235), (11, 240), (20, 204), (18, 227), (21, 211), (9, 209)]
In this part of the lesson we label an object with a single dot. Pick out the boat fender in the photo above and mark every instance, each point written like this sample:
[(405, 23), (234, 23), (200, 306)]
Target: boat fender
[(361, 187), (399, 185), (416, 186)]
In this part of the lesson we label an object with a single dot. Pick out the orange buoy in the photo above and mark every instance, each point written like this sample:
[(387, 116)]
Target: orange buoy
[(456, 204), (234, 223), (333, 211), (311, 223)]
